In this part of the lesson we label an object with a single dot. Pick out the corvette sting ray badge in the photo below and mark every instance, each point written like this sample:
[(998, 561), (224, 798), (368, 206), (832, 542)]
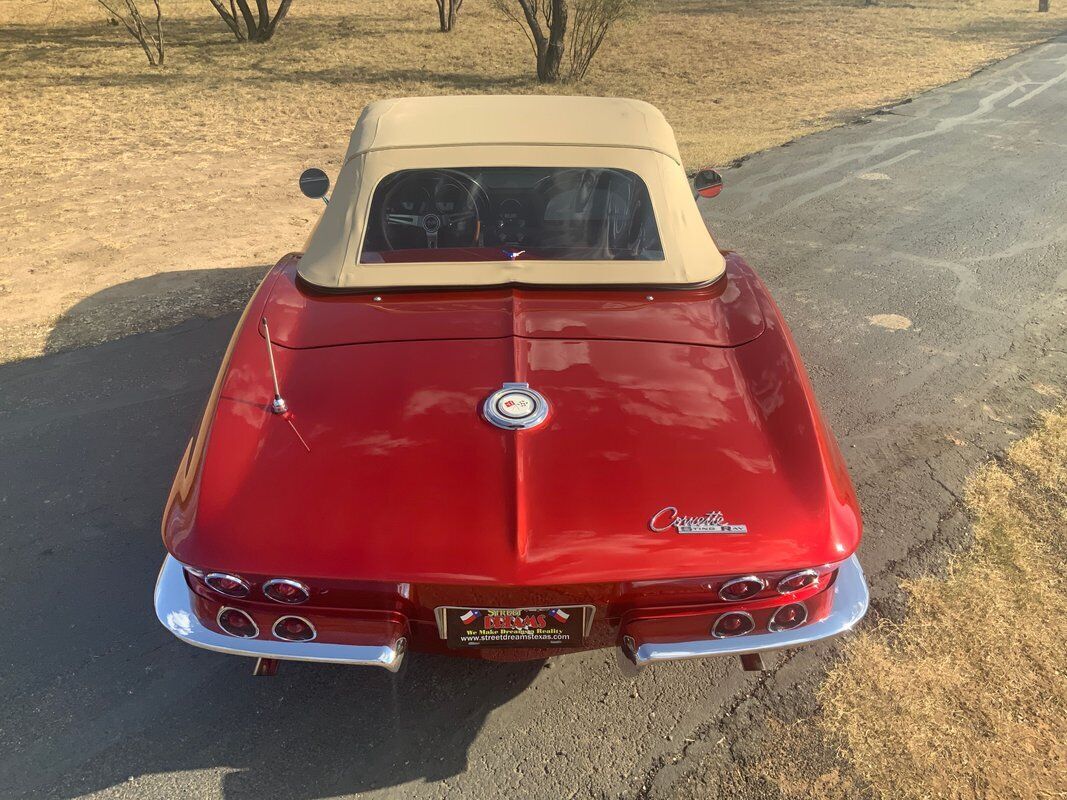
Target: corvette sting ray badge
[(711, 522)]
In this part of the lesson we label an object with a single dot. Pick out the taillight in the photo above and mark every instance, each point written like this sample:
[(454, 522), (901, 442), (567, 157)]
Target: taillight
[(294, 629), (742, 588), (733, 623), (788, 617), (285, 590), (797, 581), (237, 623), (229, 585)]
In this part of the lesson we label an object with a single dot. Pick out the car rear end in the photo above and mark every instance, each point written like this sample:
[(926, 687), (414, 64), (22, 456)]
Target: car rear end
[(374, 624)]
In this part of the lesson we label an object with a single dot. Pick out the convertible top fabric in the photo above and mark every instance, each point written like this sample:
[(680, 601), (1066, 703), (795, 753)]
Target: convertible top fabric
[(454, 132), (537, 120)]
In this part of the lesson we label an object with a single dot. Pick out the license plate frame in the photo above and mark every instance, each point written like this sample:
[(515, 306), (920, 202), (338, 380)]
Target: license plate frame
[(570, 633)]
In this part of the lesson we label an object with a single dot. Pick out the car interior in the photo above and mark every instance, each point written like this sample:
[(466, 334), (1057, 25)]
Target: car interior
[(496, 213)]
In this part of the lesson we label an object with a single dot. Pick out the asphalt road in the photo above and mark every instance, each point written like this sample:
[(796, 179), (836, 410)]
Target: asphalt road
[(948, 214)]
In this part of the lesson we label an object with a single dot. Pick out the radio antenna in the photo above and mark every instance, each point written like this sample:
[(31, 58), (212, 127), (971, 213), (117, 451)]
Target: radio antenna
[(278, 405)]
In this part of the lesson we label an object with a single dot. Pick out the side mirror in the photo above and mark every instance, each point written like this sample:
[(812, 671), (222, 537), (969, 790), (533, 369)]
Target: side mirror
[(314, 183), (707, 182)]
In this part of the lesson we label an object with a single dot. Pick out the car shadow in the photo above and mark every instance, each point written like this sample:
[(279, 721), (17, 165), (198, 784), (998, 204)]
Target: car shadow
[(153, 303), (97, 693)]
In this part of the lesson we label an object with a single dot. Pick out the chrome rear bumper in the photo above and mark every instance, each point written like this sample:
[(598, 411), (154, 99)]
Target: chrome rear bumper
[(175, 613), (849, 605), (174, 610)]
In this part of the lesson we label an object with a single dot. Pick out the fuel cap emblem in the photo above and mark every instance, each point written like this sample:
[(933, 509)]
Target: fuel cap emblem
[(515, 407)]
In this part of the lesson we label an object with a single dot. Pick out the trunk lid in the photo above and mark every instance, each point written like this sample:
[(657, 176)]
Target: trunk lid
[(403, 480)]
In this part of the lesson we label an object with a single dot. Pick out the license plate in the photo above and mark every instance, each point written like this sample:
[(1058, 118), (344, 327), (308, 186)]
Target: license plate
[(564, 626)]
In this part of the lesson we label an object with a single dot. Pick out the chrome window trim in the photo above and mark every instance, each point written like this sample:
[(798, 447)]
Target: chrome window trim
[(173, 604), (243, 613), (743, 579), (288, 582), (280, 620), (229, 576)]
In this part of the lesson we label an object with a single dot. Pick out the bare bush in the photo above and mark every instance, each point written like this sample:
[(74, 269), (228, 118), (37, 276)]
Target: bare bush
[(150, 37), (448, 10), (251, 26), (590, 22), (1042, 5), (545, 23)]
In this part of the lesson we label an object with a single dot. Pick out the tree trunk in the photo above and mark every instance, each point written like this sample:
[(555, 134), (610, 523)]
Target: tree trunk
[(447, 11), (1042, 5), (251, 26), (230, 18), (258, 26), (235, 28), (159, 32), (267, 30), (548, 61), (259, 34), (550, 50)]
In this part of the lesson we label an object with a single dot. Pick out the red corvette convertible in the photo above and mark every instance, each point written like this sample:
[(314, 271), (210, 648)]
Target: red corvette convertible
[(511, 402)]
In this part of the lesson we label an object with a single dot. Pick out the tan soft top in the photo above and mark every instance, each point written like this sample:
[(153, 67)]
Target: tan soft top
[(519, 120), (487, 131)]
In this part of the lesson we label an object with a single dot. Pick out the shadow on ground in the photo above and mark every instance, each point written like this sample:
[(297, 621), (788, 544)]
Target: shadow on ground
[(203, 55), (91, 438), (153, 303)]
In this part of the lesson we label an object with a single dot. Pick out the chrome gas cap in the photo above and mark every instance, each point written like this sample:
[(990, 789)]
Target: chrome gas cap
[(515, 407)]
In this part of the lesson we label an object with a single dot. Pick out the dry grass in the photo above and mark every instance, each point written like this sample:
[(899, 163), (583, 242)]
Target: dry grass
[(121, 184), (967, 697)]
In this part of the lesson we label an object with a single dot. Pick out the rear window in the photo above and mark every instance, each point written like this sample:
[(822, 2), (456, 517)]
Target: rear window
[(518, 213)]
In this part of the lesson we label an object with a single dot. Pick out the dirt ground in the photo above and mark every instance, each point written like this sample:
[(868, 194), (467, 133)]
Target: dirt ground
[(914, 712), (133, 197)]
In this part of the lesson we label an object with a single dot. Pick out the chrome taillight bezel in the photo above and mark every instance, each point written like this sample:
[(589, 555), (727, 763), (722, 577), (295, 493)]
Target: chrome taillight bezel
[(305, 620), (812, 573), (286, 582), (774, 627), (743, 579), (718, 634), (245, 586), (245, 614)]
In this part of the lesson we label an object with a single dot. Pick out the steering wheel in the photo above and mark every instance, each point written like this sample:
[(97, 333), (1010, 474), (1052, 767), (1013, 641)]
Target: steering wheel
[(429, 209)]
